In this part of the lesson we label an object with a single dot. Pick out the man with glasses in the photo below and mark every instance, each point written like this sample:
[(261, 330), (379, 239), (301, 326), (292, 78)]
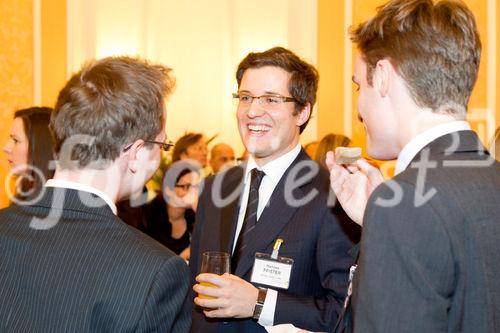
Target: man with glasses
[(277, 201), (68, 264)]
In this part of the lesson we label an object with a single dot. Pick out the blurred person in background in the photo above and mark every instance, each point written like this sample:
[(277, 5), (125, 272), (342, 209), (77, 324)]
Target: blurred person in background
[(221, 157), (310, 148), (191, 146), (30, 150), (169, 217), (328, 143)]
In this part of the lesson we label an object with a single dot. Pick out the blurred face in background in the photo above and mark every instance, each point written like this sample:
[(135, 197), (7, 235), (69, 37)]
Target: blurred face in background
[(197, 152), (222, 157), (18, 145), (185, 194), (186, 183)]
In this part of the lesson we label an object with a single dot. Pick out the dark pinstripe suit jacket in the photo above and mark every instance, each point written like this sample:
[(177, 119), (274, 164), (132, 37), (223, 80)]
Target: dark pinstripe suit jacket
[(68, 264), (433, 266), (314, 235)]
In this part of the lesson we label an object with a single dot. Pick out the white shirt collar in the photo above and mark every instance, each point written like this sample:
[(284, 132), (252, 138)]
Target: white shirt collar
[(81, 187), (274, 169), (411, 149)]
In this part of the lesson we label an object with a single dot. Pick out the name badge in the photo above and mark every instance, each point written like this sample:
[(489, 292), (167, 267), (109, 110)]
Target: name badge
[(273, 272)]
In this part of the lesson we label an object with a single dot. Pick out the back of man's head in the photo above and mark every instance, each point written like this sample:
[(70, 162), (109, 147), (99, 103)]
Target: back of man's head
[(304, 79), (221, 155), (435, 47), (107, 105)]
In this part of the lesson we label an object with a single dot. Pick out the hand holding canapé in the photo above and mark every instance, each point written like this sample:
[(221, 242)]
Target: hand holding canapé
[(353, 184)]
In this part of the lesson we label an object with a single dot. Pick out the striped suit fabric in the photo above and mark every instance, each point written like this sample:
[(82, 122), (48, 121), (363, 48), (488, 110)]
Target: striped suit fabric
[(68, 264)]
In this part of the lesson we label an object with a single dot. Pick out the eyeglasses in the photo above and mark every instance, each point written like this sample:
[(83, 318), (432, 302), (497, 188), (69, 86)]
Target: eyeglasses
[(186, 187), (165, 146), (269, 101)]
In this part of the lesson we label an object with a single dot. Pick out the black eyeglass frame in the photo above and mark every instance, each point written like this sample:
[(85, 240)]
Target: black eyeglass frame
[(165, 146), (186, 187)]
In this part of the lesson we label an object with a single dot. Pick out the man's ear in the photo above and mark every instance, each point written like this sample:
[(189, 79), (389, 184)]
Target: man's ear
[(304, 115), (383, 76), (133, 155)]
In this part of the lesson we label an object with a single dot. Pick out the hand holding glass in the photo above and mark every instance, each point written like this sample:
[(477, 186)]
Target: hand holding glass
[(215, 263)]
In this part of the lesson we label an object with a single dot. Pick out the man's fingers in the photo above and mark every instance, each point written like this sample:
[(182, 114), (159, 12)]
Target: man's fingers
[(208, 303), (210, 291), (207, 277), (373, 174), (216, 313), (330, 160), (337, 183)]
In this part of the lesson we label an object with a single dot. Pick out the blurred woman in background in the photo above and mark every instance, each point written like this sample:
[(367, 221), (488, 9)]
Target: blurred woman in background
[(169, 217), (329, 143), (30, 150)]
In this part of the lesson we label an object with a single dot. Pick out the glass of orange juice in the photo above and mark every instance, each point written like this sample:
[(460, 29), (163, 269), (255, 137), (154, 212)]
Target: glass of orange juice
[(216, 263)]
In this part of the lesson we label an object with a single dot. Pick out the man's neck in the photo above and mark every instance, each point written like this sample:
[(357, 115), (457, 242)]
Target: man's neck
[(419, 122), (104, 180)]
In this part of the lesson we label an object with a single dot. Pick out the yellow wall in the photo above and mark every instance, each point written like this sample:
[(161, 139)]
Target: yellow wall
[(16, 69), (331, 36), (497, 111), (53, 49)]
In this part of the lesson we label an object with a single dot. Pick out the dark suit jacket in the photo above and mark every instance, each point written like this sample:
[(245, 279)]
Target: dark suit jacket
[(433, 265), (314, 235), (81, 269)]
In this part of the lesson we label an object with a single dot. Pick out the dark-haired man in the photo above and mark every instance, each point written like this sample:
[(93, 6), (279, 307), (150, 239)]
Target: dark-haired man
[(67, 263), (429, 257), (278, 201)]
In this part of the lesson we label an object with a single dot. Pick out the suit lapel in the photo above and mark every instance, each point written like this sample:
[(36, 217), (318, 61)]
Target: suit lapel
[(273, 219)]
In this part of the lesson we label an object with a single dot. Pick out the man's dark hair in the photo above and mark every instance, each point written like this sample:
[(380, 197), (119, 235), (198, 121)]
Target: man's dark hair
[(40, 148), (181, 146)]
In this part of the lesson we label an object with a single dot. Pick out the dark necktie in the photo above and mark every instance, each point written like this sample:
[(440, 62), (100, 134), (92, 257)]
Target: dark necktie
[(250, 219)]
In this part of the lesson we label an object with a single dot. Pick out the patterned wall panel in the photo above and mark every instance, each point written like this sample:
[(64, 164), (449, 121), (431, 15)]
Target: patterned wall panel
[(16, 69)]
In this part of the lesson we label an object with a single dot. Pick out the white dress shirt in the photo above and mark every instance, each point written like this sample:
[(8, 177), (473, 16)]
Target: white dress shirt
[(81, 187), (416, 144), (274, 170)]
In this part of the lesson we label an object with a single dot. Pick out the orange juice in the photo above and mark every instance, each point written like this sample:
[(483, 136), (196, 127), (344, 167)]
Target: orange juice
[(207, 284)]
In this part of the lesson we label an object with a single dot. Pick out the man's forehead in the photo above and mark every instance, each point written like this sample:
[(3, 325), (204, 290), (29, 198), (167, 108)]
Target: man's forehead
[(266, 75)]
